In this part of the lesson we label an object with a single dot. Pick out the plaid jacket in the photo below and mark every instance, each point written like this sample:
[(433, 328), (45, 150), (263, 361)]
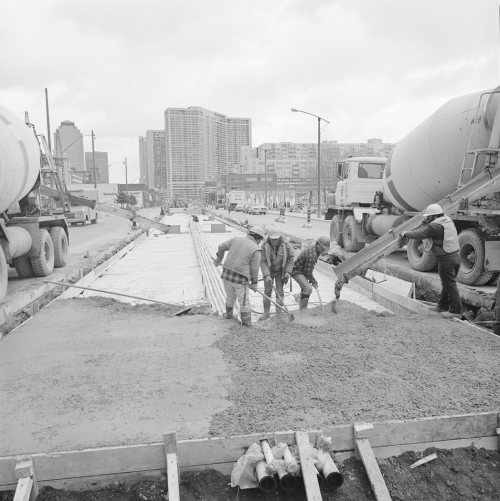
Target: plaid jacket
[(305, 262), (234, 277)]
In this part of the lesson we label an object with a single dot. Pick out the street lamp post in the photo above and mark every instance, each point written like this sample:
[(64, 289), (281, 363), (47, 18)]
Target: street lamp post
[(319, 155), (265, 173)]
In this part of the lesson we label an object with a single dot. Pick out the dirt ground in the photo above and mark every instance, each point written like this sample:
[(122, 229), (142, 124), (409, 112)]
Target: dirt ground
[(460, 474), (331, 369)]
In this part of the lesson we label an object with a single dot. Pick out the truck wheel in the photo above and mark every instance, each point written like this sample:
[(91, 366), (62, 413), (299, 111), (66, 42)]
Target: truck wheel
[(23, 267), (350, 234), (94, 221), (335, 233), (419, 259), (4, 275), (60, 242), (472, 257), (43, 264), (493, 278), (496, 311)]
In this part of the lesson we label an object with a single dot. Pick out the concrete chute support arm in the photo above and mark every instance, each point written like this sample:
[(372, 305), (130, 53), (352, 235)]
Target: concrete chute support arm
[(93, 204)]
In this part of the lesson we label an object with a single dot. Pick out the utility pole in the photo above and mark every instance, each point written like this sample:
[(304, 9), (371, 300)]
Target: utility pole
[(48, 118), (93, 160), (319, 168), (126, 175)]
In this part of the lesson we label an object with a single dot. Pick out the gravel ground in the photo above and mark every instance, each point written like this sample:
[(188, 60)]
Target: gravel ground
[(326, 369)]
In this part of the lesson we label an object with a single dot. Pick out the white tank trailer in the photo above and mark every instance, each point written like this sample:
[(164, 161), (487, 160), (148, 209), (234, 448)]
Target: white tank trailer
[(444, 152), (33, 240)]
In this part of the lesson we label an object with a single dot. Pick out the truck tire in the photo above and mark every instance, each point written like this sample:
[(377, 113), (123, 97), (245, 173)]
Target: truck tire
[(350, 235), (472, 256), (43, 264), (4, 275), (335, 233), (94, 221), (419, 259), (496, 310), (23, 267), (60, 242)]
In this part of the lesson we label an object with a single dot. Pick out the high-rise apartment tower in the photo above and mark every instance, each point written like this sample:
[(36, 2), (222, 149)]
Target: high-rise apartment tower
[(69, 140)]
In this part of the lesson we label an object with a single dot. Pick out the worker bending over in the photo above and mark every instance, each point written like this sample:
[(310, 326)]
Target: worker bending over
[(304, 265), (440, 236), (240, 269), (276, 264)]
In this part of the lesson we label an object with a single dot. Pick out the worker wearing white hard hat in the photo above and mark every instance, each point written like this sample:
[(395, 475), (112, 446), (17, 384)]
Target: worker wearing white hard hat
[(240, 270), (276, 263), (440, 237)]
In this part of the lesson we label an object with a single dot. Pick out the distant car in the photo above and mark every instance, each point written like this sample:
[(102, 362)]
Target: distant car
[(239, 207), (82, 215), (258, 209), (246, 208)]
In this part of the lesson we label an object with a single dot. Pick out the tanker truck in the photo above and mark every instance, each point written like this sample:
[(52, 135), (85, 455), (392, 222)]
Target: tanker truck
[(34, 234), (445, 157)]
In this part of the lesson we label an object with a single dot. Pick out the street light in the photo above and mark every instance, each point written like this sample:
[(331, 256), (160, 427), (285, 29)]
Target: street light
[(265, 173), (319, 155)]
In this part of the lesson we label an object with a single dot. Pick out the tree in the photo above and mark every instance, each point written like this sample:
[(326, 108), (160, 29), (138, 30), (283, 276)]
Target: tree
[(132, 200), (121, 198)]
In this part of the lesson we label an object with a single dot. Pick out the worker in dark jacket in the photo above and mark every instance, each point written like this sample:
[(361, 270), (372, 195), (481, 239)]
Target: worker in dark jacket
[(240, 270), (303, 268), (276, 263), (440, 236)]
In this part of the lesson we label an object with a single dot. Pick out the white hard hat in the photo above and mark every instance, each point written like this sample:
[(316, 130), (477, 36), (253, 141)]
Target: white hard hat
[(433, 210), (258, 231), (273, 232)]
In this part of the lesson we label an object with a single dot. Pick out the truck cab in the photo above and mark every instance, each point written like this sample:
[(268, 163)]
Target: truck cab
[(360, 178)]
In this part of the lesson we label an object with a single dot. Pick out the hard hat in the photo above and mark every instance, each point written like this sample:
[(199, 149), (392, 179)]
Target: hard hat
[(433, 210), (273, 232), (324, 242), (257, 230)]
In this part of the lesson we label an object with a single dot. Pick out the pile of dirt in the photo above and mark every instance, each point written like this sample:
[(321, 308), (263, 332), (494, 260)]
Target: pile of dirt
[(468, 473), (326, 369)]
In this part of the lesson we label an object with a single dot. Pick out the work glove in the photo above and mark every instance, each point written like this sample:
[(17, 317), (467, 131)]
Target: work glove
[(217, 263), (268, 280), (253, 287), (315, 285), (286, 277), (402, 239)]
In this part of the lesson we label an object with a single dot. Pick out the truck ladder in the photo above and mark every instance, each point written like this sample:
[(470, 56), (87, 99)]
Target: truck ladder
[(93, 204), (486, 183)]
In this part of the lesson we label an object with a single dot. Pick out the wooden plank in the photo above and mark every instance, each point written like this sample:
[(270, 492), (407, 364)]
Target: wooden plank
[(372, 470), (307, 466), (25, 468), (23, 490), (170, 445), (402, 287)]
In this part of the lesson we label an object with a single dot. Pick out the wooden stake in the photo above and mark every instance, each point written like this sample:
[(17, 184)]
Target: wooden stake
[(309, 471), (170, 445)]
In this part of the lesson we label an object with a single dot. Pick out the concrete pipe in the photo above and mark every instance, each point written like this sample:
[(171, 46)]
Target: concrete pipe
[(380, 224), (19, 159), (20, 241), (334, 479), (288, 481), (267, 483)]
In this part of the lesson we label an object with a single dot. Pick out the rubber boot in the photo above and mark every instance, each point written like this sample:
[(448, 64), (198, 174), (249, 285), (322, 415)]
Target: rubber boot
[(266, 313), (246, 319), (229, 313), (279, 310), (303, 303)]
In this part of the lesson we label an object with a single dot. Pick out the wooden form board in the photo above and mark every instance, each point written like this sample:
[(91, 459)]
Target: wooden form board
[(112, 462), (173, 477), (402, 287), (308, 467), (372, 470)]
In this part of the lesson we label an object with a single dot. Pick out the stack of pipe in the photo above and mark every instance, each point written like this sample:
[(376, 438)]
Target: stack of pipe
[(214, 287)]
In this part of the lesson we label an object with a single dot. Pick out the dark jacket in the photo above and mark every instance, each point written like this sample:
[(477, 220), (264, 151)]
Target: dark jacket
[(305, 262), (282, 255), (431, 230)]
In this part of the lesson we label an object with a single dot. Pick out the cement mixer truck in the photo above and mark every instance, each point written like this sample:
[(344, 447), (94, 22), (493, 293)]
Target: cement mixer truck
[(34, 234), (437, 162)]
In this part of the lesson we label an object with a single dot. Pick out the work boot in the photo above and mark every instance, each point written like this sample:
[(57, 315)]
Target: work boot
[(303, 303), (246, 319), (229, 313), (266, 313), (449, 314), (437, 308), (279, 310)]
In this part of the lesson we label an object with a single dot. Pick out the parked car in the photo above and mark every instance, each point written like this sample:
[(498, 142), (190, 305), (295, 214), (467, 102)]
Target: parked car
[(258, 209), (246, 208), (239, 207)]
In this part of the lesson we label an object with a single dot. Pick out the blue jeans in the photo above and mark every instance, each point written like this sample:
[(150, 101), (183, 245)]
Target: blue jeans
[(268, 290), (448, 266), (305, 286)]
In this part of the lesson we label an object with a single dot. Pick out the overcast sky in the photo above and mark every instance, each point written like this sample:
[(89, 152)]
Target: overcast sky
[(373, 68)]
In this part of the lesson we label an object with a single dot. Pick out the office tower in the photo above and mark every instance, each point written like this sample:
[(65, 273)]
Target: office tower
[(143, 160), (201, 145), (68, 143), (101, 163), (157, 168)]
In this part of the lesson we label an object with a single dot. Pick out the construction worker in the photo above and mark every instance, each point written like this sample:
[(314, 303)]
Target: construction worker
[(276, 264), (303, 268), (241, 270), (440, 236)]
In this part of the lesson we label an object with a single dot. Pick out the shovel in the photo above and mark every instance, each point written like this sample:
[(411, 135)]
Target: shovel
[(277, 305), (180, 312), (281, 299), (320, 300)]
